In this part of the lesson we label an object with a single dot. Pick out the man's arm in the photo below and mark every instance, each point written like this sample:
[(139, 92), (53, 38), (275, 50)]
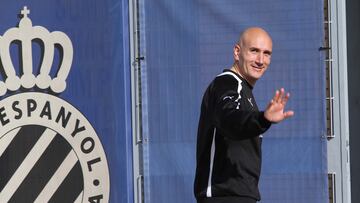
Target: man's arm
[(231, 116), (237, 122)]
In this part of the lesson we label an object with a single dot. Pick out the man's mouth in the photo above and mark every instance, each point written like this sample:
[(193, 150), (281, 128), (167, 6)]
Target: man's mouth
[(258, 68)]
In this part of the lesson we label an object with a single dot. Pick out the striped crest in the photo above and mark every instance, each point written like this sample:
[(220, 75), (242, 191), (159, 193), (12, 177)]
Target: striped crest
[(40, 166)]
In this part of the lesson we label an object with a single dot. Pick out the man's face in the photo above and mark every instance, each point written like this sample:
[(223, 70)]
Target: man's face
[(253, 55)]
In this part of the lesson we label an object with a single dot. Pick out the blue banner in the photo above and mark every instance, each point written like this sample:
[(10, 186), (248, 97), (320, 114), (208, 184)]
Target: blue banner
[(65, 108)]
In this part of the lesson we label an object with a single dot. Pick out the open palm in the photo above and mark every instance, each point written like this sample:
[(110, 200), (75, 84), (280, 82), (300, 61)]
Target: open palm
[(275, 111)]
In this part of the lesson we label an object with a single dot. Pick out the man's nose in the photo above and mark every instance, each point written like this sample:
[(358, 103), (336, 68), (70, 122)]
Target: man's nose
[(260, 59)]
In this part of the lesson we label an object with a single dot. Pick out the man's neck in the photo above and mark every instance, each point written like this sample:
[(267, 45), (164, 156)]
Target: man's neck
[(235, 68)]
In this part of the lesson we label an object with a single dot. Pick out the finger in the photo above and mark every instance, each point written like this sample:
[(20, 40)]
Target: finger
[(276, 96), (281, 95), (270, 104), (286, 98)]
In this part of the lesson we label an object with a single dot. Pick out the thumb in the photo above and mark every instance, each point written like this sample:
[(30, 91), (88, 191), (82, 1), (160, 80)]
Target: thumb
[(288, 114)]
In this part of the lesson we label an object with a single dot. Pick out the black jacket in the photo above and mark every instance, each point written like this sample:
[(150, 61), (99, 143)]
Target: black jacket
[(229, 140)]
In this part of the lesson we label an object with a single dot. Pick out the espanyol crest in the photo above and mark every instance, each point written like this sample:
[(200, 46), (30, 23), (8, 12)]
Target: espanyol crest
[(49, 152)]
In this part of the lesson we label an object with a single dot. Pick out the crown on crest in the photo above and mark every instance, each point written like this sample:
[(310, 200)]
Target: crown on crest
[(25, 33)]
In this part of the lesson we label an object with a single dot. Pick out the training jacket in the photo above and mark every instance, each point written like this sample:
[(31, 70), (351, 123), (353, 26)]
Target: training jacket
[(229, 140)]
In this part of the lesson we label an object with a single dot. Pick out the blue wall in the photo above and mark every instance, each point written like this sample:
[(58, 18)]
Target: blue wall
[(186, 44)]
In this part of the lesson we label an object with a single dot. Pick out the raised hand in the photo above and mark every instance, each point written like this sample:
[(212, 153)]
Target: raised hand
[(275, 110)]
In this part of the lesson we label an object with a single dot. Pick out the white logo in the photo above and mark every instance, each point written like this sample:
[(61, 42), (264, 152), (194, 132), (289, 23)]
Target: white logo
[(228, 97), (48, 150), (249, 99)]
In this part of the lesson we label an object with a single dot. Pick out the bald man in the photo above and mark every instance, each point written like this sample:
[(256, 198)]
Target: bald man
[(231, 126)]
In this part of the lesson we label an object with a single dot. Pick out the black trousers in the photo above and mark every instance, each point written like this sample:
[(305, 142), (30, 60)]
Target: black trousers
[(226, 200)]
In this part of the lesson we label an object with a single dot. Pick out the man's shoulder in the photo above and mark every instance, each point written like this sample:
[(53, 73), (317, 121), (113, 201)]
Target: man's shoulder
[(227, 78), (225, 82)]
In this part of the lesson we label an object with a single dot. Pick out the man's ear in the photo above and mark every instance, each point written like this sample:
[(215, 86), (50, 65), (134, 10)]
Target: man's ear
[(237, 50)]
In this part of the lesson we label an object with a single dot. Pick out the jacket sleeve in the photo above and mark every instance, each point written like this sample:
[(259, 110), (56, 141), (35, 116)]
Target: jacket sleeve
[(232, 117)]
